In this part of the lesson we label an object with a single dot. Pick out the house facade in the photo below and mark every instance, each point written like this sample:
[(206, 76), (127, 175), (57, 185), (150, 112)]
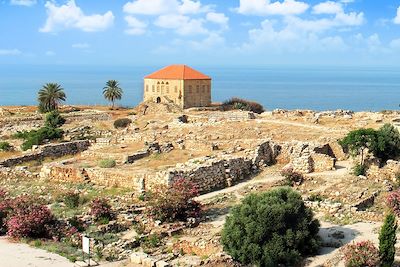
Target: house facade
[(178, 84)]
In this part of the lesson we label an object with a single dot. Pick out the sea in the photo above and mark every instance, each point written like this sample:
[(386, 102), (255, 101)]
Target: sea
[(285, 87)]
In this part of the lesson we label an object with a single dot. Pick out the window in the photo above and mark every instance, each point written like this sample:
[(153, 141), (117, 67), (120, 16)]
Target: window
[(204, 88), (176, 89), (190, 89), (158, 88), (197, 88), (167, 83), (167, 89), (147, 87), (162, 89), (153, 88)]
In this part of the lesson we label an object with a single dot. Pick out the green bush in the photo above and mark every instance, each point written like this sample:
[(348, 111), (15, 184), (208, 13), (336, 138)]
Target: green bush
[(238, 103), (107, 163), (54, 119), (359, 169), (387, 144), (122, 123), (71, 200), (37, 137), (271, 229), (387, 240), (5, 146)]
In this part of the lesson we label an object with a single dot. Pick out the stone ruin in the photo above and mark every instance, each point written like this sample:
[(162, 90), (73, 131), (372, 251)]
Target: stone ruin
[(307, 157), (52, 150)]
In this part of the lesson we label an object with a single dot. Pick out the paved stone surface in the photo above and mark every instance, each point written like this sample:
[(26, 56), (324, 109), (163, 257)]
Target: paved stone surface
[(21, 255)]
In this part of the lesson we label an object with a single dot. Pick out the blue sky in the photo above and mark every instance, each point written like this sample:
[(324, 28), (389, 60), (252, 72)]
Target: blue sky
[(224, 32)]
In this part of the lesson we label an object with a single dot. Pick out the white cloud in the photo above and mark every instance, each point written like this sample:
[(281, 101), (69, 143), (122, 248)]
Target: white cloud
[(397, 18), (328, 7), (23, 2), (81, 46), (218, 18), (183, 25), (266, 7), (135, 26), (10, 52), (211, 40), (160, 7), (70, 16)]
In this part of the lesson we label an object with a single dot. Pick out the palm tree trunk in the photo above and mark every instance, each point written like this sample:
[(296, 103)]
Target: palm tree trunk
[(112, 105)]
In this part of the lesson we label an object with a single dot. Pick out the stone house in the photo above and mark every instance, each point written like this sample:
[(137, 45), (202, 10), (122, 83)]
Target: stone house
[(178, 84)]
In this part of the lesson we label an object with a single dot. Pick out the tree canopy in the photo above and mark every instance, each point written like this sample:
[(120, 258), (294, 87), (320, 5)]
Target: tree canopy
[(112, 91), (50, 96), (270, 229)]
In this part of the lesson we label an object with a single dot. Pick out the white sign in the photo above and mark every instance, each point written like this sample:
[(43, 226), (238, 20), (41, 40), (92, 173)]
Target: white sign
[(86, 244)]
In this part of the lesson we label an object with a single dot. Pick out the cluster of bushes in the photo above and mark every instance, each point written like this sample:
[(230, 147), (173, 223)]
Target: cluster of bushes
[(383, 143), (274, 228), (175, 202), (122, 123), (5, 146), (48, 132), (242, 104), (25, 218), (365, 254)]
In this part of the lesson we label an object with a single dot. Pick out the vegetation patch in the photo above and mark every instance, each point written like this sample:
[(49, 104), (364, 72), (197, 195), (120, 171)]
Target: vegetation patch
[(122, 123), (5, 146), (107, 163), (242, 104), (271, 229)]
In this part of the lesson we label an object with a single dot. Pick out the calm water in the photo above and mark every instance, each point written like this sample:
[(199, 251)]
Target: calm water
[(322, 88)]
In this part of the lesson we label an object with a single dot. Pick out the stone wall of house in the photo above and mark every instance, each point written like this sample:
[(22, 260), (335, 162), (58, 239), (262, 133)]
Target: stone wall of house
[(52, 150)]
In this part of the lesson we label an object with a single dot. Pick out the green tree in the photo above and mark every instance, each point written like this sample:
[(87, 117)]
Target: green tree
[(50, 97), (54, 119), (387, 144), (271, 229), (357, 141), (387, 240), (112, 91)]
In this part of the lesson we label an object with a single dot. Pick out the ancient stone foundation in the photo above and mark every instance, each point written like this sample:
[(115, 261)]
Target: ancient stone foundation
[(53, 150)]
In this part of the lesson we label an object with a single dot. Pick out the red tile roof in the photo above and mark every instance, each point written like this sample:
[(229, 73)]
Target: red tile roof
[(178, 72)]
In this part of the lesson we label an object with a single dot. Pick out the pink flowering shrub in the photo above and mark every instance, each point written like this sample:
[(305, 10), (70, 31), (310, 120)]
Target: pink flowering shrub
[(393, 201), (361, 254), (31, 221), (101, 209), (175, 202)]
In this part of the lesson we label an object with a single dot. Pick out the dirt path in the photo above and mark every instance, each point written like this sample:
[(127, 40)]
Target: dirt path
[(258, 180), (21, 255), (304, 125)]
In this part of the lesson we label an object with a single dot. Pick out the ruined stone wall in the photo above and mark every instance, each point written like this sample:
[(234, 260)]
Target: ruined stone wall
[(53, 150), (214, 173), (105, 177), (389, 172)]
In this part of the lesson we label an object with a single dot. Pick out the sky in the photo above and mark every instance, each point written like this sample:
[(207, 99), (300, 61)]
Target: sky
[(206, 32)]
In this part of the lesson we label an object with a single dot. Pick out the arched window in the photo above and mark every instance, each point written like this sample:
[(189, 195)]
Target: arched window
[(158, 88), (162, 82), (167, 89), (167, 83), (153, 88), (158, 82)]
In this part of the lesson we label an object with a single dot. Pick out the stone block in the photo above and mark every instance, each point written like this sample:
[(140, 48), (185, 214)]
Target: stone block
[(138, 257), (162, 264)]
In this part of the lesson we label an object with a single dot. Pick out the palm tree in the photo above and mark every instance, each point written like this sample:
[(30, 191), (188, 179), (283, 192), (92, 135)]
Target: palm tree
[(112, 91), (50, 97)]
